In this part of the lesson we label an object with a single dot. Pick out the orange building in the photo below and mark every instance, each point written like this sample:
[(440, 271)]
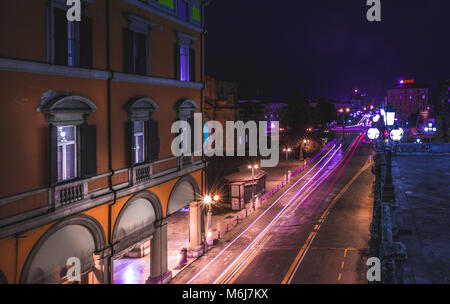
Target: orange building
[(86, 112)]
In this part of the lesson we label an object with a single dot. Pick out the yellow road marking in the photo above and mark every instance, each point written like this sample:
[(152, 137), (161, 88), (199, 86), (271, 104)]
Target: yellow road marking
[(234, 278), (340, 276), (311, 235), (342, 265)]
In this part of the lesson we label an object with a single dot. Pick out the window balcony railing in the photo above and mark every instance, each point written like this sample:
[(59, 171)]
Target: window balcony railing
[(71, 192), (142, 173)]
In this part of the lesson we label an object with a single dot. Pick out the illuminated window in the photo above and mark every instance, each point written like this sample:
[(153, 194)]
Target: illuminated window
[(183, 9), (184, 64), (67, 152), (185, 58), (139, 142)]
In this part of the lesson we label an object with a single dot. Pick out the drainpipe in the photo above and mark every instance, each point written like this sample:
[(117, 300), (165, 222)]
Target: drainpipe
[(202, 41), (110, 166)]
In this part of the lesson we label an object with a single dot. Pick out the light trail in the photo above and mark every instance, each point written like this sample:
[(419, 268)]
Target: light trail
[(240, 267), (278, 215), (299, 259), (258, 218)]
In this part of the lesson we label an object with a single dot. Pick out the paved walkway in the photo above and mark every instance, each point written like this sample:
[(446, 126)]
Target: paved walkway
[(423, 193)]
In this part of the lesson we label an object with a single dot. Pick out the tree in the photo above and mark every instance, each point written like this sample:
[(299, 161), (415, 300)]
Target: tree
[(326, 112), (298, 113)]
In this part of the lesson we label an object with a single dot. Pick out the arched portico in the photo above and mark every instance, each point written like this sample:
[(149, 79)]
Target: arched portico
[(185, 222), (78, 236), (140, 241)]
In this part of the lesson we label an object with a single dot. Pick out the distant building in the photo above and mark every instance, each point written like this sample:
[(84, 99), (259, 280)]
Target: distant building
[(220, 100), (408, 98), (263, 110), (444, 92), (359, 100)]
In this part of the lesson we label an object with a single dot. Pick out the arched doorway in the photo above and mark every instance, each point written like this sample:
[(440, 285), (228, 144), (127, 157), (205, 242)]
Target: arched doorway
[(78, 237), (184, 192), (132, 238)]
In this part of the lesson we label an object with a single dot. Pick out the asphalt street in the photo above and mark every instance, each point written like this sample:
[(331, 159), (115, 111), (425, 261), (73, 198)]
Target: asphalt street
[(315, 231)]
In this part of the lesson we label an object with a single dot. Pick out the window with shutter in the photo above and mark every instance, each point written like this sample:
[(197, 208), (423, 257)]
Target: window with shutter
[(141, 54), (60, 37), (192, 65), (70, 42), (88, 134), (86, 42), (72, 142), (143, 131), (136, 45), (153, 140), (128, 61)]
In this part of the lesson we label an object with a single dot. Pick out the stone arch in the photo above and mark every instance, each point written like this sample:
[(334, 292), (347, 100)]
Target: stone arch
[(71, 236), (136, 219), (185, 108), (63, 109), (3, 279), (140, 108), (185, 191)]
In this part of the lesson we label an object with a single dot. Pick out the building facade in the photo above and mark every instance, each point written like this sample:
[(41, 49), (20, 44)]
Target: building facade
[(408, 98), (220, 100), (86, 113), (444, 92)]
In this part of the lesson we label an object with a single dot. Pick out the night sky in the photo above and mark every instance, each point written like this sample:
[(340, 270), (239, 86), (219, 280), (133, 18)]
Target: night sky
[(326, 47)]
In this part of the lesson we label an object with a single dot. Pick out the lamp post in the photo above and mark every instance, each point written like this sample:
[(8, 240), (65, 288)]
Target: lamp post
[(253, 167), (388, 189), (210, 201), (302, 146), (287, 150)]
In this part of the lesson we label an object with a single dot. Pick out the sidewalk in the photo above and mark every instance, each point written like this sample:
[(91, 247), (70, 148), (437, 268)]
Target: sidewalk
[(224, 220)]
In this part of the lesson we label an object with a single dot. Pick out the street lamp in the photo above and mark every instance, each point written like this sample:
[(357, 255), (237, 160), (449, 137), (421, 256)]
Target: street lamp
[(288, 150), (208, 200), (397, 134), (390, 118), (373, 133)]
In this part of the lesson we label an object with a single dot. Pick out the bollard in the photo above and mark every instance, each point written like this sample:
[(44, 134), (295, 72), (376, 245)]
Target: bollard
[(246, 212), (218, 235), (228, 227), (183, 258), (237, 220)]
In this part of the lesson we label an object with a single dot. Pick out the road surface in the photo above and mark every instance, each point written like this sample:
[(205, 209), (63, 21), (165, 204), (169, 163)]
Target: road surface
[(317, 231)]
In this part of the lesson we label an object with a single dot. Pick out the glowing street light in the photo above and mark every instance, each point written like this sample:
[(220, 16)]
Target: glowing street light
[(207, 200), (373, 133), (288, 150), (397, 134), (390, 118)]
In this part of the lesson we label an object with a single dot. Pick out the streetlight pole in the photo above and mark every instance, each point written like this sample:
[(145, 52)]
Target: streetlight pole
[(209, 201), (388, 189), (253, 167)]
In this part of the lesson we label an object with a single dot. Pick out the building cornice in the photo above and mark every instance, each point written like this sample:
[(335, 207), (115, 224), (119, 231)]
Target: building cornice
[(23, 66), (155, 9)]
